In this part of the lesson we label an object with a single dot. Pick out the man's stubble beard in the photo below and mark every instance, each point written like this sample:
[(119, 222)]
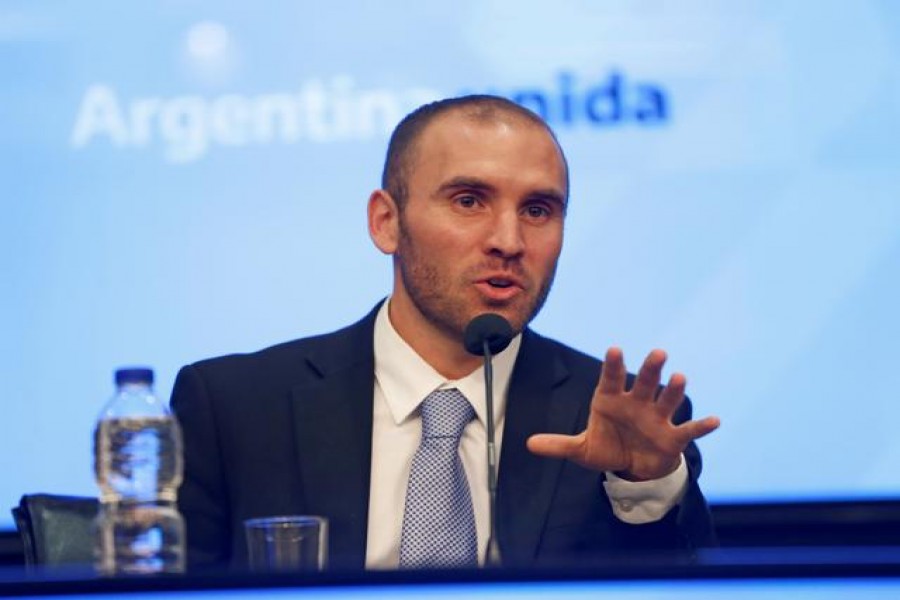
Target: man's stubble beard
[(433, 296)]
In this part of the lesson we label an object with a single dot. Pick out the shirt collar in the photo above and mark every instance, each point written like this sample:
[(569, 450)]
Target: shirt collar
[(406, 378)]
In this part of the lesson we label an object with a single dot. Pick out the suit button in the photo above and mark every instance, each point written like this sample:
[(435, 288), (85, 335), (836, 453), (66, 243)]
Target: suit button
[(626, 505)]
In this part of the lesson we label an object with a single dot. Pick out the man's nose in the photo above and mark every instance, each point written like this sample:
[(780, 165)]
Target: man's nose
[(505, 238)]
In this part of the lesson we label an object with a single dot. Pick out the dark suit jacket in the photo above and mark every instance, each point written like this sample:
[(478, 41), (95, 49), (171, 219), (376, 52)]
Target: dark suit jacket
[(288, 430)]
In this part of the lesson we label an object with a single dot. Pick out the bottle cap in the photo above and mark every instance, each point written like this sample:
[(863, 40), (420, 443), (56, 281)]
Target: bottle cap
[(134, 375)]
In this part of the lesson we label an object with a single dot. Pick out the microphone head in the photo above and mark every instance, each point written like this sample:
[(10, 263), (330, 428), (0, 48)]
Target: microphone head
[(489, 327)]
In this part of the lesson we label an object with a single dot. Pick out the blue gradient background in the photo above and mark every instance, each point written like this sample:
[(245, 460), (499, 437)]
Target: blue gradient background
[(754, 233)]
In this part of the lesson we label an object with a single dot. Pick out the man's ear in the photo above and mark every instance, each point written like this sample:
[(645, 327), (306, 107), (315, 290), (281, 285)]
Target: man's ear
[(384, 221)]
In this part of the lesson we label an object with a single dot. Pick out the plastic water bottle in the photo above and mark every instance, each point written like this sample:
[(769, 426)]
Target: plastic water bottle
[(138, 466)]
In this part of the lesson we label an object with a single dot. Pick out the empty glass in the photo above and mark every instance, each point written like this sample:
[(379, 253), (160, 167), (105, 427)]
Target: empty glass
[(287, 543)]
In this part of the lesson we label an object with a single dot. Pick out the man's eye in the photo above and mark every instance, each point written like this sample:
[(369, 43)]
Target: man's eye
[(537, 211), (467, 201)]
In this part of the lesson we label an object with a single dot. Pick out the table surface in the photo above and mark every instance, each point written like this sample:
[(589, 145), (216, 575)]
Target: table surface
[(820, 572)]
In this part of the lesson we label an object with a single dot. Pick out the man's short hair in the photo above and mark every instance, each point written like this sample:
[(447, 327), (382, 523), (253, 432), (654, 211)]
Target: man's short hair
[(402, 146)]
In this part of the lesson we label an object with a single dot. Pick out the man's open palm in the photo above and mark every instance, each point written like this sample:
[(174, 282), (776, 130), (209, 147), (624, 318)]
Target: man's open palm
[(629, 432)]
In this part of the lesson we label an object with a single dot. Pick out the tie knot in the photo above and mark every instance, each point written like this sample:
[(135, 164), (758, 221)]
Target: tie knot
[(445, 413)]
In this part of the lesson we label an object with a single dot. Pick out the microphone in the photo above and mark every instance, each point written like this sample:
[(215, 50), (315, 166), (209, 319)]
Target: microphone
[(485, 336)]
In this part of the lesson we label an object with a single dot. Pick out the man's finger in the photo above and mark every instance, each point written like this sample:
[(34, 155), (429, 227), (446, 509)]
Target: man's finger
[(692, 430), (647, 380), (613, 374), (554, 445), (672, 395)]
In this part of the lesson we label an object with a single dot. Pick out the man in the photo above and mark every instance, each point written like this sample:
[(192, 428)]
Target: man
[(471, 209)]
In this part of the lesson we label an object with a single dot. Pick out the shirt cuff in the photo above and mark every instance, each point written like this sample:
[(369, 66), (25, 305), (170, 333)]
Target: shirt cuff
[(641, 502)]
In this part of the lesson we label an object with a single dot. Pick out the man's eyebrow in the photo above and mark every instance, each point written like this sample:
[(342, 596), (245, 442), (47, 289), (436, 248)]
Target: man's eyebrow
[(551, 195), (473, 183), (464, 182)]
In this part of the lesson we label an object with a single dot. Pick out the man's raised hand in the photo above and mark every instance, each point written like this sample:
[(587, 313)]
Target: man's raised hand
[(629, 432)]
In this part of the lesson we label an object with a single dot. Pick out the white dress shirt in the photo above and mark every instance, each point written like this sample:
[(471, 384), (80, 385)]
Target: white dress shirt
[(402, 380)]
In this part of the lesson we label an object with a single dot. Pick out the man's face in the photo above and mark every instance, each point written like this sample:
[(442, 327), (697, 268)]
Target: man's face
[(482, 226)]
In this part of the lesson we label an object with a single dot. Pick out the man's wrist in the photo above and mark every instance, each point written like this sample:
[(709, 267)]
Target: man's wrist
[(663, 471), (639, 502)]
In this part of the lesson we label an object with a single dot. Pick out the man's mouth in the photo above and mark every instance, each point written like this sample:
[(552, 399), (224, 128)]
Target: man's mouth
[(499, 282), (500, 288)]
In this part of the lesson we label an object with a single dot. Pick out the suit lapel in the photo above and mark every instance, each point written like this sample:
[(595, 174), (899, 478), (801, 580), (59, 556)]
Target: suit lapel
[(333, 427), (527, 482)]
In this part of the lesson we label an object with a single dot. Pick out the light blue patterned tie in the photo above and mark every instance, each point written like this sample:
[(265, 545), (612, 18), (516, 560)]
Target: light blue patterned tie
[(438, 522)]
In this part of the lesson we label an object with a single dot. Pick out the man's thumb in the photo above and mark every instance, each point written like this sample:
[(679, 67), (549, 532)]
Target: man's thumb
[(553, 445)]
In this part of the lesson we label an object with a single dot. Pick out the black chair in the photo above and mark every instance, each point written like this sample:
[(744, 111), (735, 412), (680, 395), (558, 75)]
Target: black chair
[(56, 530)]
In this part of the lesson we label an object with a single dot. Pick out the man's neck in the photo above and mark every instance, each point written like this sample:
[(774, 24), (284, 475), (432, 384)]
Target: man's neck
[(444, 353)]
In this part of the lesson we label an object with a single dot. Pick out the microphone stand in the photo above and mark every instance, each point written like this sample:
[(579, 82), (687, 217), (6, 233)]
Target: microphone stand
[(493, 558), (484, 334)]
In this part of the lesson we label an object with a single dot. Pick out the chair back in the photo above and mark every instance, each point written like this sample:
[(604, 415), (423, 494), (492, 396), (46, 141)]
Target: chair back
[(56, 530)]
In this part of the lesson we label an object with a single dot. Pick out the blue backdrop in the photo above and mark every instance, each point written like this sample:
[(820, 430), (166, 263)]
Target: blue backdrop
[(182, 179)]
